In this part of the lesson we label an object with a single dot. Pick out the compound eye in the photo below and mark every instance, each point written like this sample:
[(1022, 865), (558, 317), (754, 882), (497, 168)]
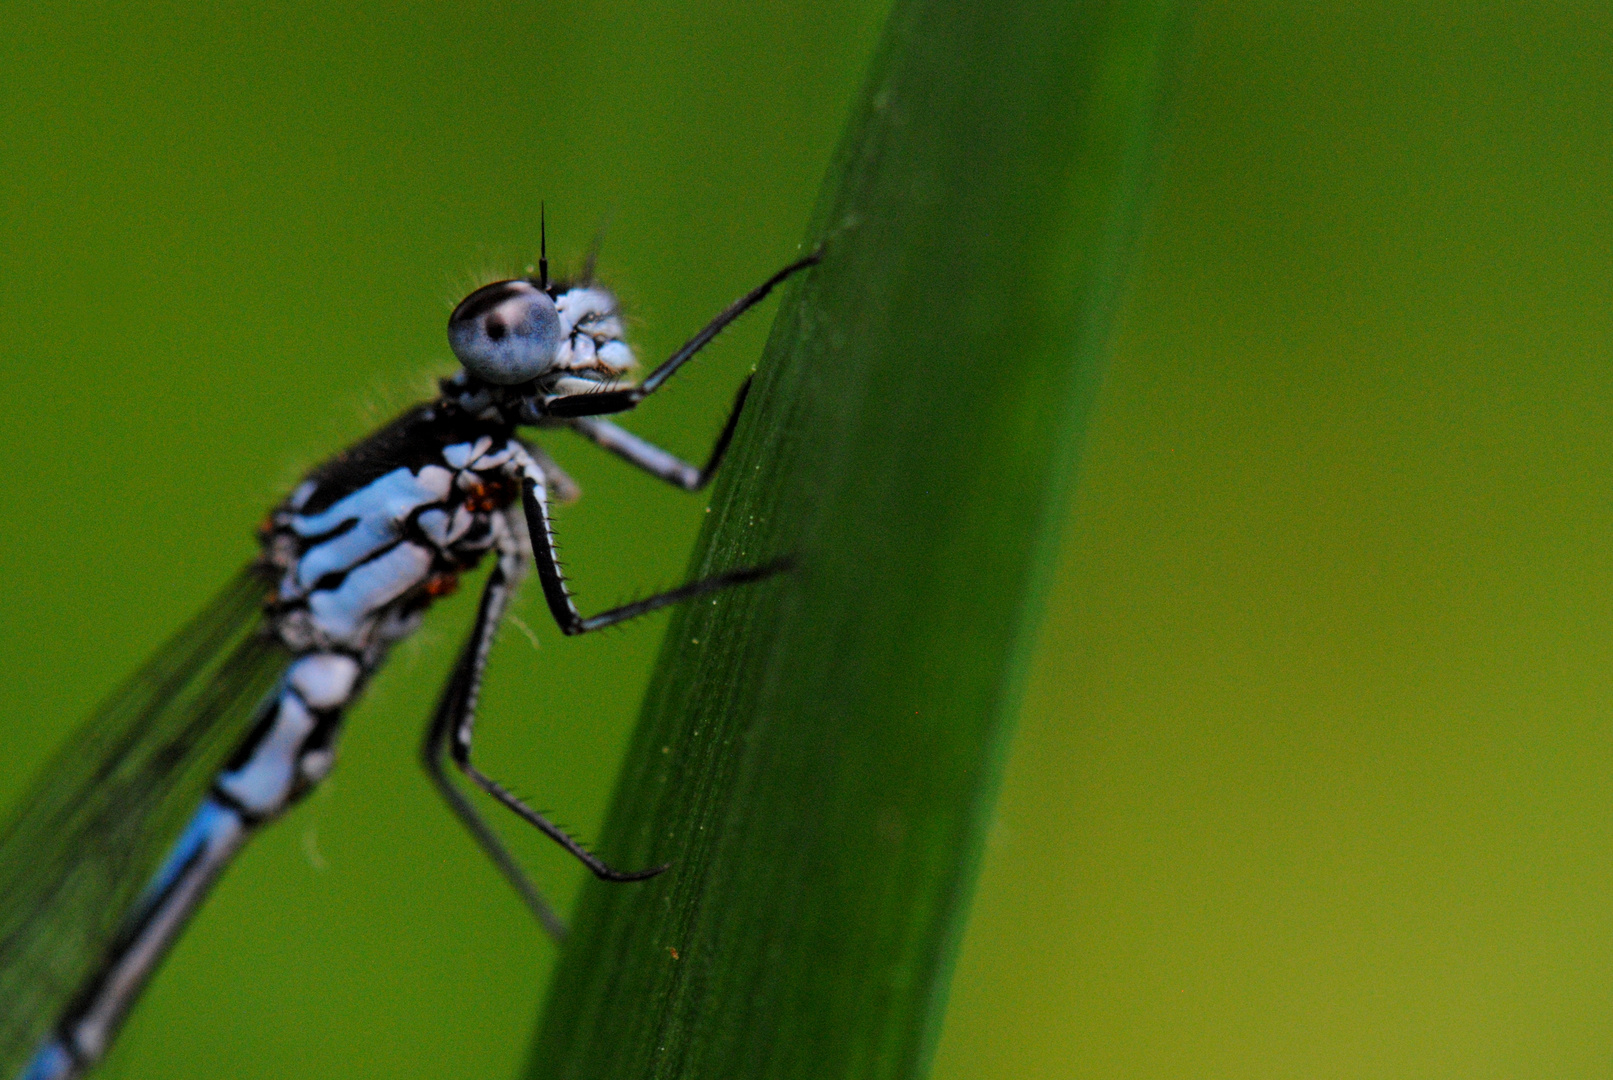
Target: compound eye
[(505, 333)]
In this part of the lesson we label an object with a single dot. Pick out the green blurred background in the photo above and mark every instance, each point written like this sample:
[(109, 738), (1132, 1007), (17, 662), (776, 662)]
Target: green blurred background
[(1313, 774)]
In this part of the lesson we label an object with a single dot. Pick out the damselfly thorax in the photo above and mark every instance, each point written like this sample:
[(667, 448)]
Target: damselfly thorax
[(237, 718)]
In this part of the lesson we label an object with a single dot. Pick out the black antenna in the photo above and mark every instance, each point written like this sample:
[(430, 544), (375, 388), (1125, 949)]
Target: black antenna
[(543, 250)]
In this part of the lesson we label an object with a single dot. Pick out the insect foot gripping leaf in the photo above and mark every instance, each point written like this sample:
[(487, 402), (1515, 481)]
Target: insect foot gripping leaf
[(819, 769)]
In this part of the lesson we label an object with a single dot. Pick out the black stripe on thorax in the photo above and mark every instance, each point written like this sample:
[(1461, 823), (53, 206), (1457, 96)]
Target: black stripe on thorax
[(413, 440)]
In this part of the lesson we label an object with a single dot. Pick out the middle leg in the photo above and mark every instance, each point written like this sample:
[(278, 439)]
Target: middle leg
[(536, 504)]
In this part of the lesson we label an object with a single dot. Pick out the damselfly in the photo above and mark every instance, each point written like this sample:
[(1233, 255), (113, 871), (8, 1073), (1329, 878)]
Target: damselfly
[(236, 718)]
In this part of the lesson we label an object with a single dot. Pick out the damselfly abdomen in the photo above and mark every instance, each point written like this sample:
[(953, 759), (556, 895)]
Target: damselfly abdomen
[(236, 718)]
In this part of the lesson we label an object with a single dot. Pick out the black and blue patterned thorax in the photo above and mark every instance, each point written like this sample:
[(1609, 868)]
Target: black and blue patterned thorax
[(372, 536)]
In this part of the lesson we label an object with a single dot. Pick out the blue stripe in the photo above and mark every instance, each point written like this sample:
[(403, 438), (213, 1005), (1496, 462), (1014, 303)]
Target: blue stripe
[(53, 1062), (203, 825)]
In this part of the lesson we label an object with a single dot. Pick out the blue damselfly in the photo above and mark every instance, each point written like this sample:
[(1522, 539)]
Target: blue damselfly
[(235, 719)]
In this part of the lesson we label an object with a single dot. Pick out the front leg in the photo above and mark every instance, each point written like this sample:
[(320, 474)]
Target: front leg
[(603, 402), (656, 461)]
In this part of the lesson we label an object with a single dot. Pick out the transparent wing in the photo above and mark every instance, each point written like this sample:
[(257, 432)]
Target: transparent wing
[(92, 828)]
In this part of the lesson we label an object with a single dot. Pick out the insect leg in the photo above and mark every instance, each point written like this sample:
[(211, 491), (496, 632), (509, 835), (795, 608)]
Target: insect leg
[(615, 401), (535, 502), (656, 461), (556, 479), (452, 730), (456, 711)]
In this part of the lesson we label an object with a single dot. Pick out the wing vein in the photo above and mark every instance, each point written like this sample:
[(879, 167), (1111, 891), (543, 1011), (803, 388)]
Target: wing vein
[(90, 831)]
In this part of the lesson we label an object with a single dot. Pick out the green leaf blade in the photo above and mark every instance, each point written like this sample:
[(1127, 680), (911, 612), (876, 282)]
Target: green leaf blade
[(818, 754)]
